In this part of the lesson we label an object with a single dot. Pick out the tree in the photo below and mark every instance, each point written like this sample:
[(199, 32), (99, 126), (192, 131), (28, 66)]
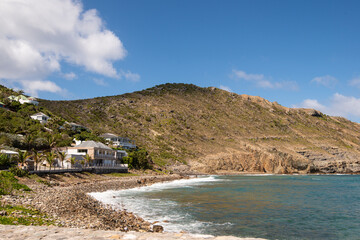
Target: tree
[(22, 157), (50, 158), (37, 157), (51, 140), (29, 141), (62, 156), (87, 159), (5, 161), (72, 161), (138, 159)]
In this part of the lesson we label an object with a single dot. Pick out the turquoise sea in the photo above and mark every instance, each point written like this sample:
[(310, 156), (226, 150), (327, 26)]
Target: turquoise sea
[(266, 206)]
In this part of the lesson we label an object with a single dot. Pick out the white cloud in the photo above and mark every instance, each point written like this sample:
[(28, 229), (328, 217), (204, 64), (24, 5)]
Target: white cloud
[(225, 88), (261, 81), (100, 82), (69, 76), (32, 87), (37, 35), (248, 77), (134, 77), (355, 82), (339, 105), (327, 81), (313, 103)]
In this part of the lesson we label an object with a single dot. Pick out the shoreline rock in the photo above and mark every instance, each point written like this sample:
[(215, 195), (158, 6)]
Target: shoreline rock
[(71, 206)]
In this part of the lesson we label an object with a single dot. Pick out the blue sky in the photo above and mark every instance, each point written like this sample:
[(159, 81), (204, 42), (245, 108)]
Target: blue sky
[(298, 53)]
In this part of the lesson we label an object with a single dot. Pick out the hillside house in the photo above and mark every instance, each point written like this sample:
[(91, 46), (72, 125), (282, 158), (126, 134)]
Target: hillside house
[(100, 154), (23, 99), (117, 141), (43, 118), (28, 165), (9, 153), (76, 127), (2, 105)]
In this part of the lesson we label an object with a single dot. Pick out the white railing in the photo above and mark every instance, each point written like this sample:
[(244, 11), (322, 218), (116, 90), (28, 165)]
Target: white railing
[(54, 169)]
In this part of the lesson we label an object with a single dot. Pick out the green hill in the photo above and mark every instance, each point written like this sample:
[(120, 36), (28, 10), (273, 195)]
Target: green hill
[(19, 131), (210, 130)]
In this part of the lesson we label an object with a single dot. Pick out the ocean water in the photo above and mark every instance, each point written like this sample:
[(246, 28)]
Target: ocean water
[(267, 206)]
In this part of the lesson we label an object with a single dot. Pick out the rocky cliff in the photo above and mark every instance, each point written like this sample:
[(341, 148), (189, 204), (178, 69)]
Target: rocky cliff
[(188, 128)]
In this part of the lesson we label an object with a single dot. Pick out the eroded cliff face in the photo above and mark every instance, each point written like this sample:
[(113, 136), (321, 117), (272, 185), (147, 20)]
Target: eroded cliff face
[(251, 159), (255, 159)]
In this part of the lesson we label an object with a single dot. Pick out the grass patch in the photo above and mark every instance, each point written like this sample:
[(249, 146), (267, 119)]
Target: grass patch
[(18, 215), (8, 183), (39, 179), (45, 182), (159, 161), (121, 174)]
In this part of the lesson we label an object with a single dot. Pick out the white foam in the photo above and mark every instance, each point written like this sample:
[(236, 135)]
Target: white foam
[(167, 212), (163, 185), (176, 184)]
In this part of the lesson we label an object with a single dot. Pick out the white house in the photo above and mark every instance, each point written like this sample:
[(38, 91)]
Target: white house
[(76, 127), (100, 154), (9, 153), (23, 99), (43, 118), (115, 140)]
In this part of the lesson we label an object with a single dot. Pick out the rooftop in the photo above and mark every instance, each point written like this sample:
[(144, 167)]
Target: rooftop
[(87, 144), (108, 135), (39, 114)]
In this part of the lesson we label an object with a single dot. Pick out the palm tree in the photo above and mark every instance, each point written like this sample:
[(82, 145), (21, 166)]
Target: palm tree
[(87, 159), (29, 141), (62, 156), (37, 157), (22, 157), (50, 158), (72, 161), (51, 140)]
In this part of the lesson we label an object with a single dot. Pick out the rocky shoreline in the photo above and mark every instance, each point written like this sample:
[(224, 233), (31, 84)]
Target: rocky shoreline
[(70, 205)]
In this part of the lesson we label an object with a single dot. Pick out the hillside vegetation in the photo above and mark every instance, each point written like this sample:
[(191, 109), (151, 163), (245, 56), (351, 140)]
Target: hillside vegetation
[(211, 130), (19, 131)]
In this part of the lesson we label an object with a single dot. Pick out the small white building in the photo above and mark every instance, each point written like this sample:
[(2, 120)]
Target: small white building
[(23, 99), (115, 140), (9, 153), (43, 118), (76, 127)]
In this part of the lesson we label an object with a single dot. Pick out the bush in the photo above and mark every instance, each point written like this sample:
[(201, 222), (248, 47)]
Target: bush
[(19, 172), (5, 161), (8, 183), (138, 159)]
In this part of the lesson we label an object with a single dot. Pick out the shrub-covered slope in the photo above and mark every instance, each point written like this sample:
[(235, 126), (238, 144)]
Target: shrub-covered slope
[(211, 130)]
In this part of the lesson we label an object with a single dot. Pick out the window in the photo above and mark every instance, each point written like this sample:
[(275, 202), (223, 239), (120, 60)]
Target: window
[(82, 150)]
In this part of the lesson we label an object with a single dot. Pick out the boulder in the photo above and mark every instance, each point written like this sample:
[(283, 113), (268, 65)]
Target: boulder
[(158, 228)]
